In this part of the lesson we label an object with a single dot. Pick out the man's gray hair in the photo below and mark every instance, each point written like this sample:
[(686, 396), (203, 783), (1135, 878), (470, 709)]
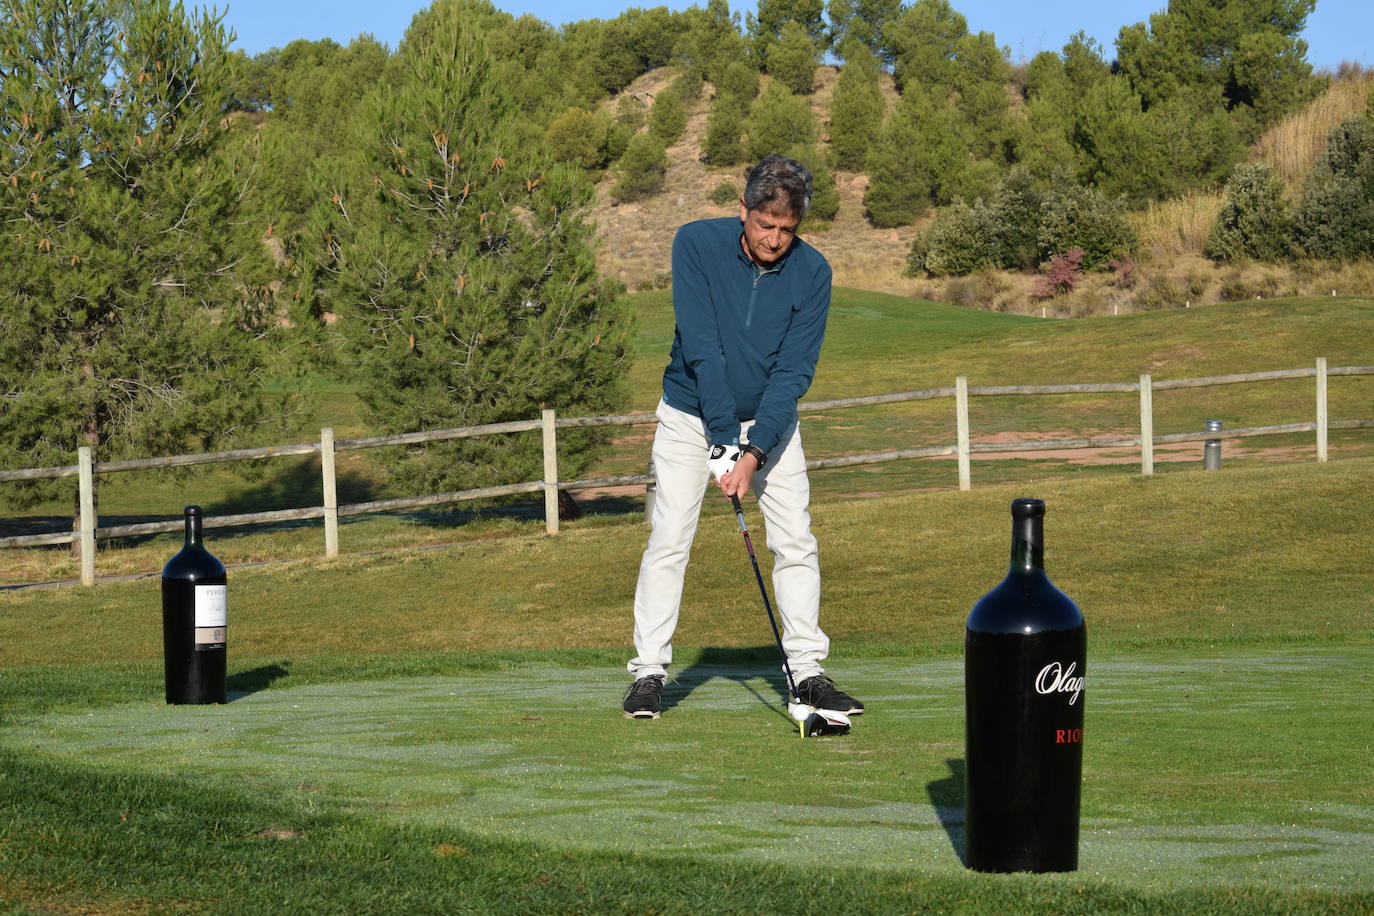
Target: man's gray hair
[(778, 182)]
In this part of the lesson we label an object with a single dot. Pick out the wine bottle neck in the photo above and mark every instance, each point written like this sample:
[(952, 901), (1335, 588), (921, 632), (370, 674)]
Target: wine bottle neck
[(193, 531), (1027, 545)]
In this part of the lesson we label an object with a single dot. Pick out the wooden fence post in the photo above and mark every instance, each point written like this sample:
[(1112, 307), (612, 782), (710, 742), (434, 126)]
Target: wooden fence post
[(961, 429), (650, 492), (331, 493), (1147, 426), (550, 473), (1322, 416), (86, 483), (961, 422)]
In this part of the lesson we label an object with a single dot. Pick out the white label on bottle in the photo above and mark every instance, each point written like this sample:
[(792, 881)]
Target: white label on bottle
[(212, 605)]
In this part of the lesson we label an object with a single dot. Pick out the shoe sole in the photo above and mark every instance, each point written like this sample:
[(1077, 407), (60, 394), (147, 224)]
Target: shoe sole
[(646, 714), (852, 711)]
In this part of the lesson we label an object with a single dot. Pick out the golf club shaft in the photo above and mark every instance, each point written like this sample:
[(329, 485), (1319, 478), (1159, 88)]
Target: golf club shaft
[(767, 605)]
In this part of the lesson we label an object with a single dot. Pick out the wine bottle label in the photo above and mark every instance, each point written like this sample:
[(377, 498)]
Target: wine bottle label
[(1058, 678), (212, 616)]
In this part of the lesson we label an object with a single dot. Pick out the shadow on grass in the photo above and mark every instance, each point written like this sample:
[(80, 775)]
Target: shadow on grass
[(947, 798), (739, 665), (246, 683)]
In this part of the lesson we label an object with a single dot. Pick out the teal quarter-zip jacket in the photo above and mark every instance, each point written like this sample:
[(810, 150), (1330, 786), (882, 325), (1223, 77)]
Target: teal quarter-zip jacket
[(747, 337)]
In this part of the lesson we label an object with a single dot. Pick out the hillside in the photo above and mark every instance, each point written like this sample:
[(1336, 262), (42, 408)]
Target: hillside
[(1171, 271)]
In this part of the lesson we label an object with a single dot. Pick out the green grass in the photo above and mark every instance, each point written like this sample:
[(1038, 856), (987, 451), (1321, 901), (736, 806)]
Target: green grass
[(876, 344), (1190, 555), (438, 731)]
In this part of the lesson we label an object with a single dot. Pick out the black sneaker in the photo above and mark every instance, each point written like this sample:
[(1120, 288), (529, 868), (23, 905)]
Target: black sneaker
[(820, 691), (644, 698)]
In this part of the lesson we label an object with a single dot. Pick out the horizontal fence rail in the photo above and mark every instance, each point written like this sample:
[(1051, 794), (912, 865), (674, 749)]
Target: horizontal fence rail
[(87, 531)]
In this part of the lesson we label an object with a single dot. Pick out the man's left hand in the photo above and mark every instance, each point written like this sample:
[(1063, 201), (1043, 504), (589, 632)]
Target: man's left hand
[(739, 478)]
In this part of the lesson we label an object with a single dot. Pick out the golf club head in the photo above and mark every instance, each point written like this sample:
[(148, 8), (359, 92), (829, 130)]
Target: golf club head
[(824, 722)]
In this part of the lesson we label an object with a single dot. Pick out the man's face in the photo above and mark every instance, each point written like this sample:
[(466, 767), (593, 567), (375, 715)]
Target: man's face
[(768, 232)]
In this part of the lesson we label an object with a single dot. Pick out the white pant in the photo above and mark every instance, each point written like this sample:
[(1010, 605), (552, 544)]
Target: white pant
[(784, 491)]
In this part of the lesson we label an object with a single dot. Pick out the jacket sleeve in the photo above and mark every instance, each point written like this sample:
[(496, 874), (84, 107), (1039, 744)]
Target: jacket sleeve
[(694, 312), (795, 366)]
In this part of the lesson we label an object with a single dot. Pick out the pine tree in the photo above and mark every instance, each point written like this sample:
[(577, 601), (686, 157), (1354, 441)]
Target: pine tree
[(922, 44), (724, 130), (862, 20), (793, 59), (461, 269), (668, 116), (765, 28), (825, 196), (641, 169), (133, 320), (779, 120), (856, 110), (921, 158)]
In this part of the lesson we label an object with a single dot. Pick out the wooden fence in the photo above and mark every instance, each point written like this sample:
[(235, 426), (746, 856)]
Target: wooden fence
[(87, 531)]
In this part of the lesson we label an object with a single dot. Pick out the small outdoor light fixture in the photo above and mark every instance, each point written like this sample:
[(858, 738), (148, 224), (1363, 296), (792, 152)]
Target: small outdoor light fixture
[(1211, 449)]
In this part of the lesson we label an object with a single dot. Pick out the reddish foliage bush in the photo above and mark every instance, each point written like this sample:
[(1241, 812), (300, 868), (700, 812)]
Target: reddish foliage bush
[(1061, 275)]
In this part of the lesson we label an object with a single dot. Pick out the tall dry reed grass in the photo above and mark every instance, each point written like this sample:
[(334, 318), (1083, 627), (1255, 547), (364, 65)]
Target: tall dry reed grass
[(1293, 145), (1171, 228)]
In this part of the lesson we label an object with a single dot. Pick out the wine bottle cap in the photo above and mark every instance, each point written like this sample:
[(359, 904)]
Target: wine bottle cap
[(193, 511), (1025, 507)]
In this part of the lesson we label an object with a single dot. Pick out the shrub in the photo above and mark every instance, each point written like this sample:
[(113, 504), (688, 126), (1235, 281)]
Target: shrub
[(641, 169), (1336, 216), (961, 240), (1254, 220), (1080, 217), (725, 194), (1016, 206), (578, 137), (1160, 293), (658, 281), (1001, 233), (1061, 275), (979, 290)]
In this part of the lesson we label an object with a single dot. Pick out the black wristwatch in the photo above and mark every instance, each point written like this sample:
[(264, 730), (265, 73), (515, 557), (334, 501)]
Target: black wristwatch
[(759, 454)]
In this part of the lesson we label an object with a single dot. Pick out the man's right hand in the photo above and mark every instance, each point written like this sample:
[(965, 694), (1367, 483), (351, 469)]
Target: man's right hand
[(721, 460)]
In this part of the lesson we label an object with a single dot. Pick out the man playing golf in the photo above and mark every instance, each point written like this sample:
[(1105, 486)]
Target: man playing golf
[(750, 301)]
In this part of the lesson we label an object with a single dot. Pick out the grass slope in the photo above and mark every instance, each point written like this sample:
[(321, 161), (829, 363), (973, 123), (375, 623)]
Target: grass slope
[(1191, 556)]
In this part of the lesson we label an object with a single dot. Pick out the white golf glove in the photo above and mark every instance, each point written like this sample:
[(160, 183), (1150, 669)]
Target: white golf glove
[(721, 459)]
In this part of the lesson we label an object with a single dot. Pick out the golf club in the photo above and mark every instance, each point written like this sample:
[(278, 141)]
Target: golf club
[(811, 722)]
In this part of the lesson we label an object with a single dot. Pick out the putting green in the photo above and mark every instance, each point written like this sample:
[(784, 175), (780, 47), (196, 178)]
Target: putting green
[(1238, 769)]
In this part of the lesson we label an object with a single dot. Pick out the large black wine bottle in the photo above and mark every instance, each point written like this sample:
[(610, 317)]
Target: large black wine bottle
[(1024, 663), (195, 620)]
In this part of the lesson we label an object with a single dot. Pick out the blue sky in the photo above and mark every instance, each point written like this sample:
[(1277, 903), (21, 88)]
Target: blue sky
[(1338, 30)]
